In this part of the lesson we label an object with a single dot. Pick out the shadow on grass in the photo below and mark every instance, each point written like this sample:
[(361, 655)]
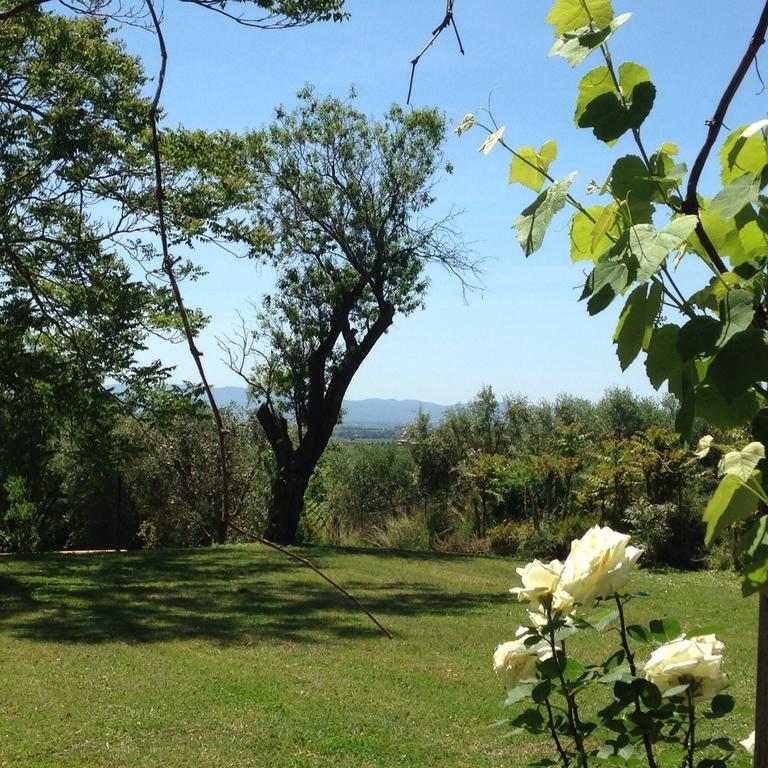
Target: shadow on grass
[(222, 595)]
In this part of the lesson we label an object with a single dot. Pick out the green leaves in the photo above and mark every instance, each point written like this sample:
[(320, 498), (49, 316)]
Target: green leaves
[(722, 704), (532, 223), (651, 247), (742, 463), (492, 140), (744, 151), (664, 630), (608, 279), (633, 331), (736, 314), (735, 196), (592, 232), (663, 358), (574, 46), (740, 364), (568, 15), (610, 108), (734, 500), (529, 166), (754, 545)]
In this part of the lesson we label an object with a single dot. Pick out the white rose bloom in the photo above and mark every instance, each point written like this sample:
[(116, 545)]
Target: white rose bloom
[(702, 449), (541, 584), (749, 743), (697, 660), (539, 618), (598, 565), (513, 661)]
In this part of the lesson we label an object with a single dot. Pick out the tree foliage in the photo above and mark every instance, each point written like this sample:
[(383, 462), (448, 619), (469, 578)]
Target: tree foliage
[(339, 205), (650, 222)]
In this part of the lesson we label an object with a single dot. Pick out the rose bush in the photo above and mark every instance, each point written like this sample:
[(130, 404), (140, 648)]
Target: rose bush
[(695, 662), (658, 704)]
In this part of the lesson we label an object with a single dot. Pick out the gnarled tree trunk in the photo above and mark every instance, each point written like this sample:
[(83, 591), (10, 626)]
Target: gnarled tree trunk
[(287, 504)]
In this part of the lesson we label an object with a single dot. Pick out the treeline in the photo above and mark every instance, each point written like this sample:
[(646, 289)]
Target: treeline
[(492, 476), (515, 476), (87, 469)]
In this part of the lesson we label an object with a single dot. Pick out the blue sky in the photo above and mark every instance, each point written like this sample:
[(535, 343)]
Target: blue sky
[(525, 331)]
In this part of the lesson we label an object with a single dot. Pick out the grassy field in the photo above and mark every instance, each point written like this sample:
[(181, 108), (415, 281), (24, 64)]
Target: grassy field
[(236, 656)]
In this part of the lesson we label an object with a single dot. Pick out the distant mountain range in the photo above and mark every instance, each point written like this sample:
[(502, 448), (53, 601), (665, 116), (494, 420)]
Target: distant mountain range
[(371, 412)]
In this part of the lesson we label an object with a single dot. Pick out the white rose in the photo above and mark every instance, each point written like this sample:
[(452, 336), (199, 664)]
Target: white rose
[(702, 449), (513, 661), (749, 743), (541, 584), (697, 661), (598, 565)]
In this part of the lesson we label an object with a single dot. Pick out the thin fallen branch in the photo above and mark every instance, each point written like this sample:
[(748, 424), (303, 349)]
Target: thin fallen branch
[(168, 268), (447, 21), (309, 564), (691, 202)]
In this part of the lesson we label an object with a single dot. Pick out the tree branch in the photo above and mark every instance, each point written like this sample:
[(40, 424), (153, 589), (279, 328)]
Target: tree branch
[(20, 8), (309, 564), (691, 202), (447, 21), (168, 268)]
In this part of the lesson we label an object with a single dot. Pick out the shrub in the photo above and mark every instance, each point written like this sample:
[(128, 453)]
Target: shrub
[(402, 532), (671, 534), (650, 527), (505, 538), (19, 524)]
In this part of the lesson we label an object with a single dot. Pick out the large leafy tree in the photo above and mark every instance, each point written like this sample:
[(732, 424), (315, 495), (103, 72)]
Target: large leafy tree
[(77, 236), (71, 164), (340, 206), (73, 317), (86, 169)]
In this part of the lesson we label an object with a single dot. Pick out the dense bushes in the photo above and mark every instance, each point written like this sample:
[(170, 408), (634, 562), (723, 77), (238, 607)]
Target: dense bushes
[(510, 477), (517, 478), (122, 481)]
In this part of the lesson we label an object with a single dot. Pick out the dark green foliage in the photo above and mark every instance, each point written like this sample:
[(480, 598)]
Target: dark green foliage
[(358, 491), (517, 478)]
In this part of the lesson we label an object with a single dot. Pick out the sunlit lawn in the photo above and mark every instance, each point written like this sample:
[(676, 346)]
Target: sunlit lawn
[(238, 657)]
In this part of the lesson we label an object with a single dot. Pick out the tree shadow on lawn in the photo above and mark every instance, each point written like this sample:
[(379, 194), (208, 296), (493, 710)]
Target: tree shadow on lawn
[(203, 594)]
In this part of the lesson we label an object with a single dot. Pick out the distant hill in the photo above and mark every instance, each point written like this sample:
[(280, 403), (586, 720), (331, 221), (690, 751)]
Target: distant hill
[(379, 411), (231, 395), (371, 412)]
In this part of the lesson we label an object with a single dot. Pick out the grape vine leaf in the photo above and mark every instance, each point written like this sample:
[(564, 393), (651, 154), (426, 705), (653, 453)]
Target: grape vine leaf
[(633, 330), (529, 166), (576, 45), (532, 223), (611, 112), (742, 463), (569, 15), (733, 501), (754, 558), (651, 247)]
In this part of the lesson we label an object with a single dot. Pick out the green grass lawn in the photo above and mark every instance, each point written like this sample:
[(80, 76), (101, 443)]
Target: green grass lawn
[(237, 656)]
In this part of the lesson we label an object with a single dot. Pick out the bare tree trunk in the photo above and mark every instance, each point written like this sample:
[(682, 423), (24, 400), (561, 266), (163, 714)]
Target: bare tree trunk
[(761, 689), (287, 506)]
